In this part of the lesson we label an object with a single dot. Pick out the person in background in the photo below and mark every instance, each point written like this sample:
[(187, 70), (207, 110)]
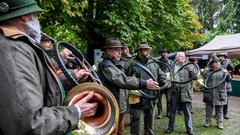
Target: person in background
[(237, 70), (124, 58), (226, 64), (145, 107), (112, 75), (196, 61), (182, 94), (163, 58), (216, 97), (31, 94), (46, 44), (125, 52)]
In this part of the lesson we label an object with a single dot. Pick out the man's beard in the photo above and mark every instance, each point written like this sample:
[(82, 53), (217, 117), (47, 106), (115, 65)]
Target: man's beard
[(34, 28), (146, 56)]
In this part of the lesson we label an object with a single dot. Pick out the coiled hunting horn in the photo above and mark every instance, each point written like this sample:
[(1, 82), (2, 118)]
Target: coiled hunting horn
[(206, 87), (169, 80), (144, 93), (196, 70), (106, 118)]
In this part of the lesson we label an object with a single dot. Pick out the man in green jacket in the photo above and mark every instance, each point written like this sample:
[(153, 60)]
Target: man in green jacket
[(31, 93), (112, 75), (146, 106)]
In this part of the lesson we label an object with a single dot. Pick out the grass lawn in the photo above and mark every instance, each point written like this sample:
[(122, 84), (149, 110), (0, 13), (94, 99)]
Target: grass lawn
[(231, 126)]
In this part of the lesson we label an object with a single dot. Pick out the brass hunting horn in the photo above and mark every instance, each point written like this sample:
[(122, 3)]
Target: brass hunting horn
[(106, 118)]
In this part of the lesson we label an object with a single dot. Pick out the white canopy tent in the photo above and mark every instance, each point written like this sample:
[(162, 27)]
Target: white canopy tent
[(229, 44)]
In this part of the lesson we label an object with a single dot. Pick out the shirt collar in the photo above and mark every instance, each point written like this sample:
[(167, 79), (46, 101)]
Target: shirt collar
[(14, 33), (11, 31)]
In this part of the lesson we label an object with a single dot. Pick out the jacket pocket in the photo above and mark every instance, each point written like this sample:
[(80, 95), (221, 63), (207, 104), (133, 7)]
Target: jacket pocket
[(189, 95), (207, 97), (222, 95)]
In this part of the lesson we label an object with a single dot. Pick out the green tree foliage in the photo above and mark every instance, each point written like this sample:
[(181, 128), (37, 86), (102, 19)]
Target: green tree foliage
[(87, 23), (57, 21), (218, 17), (178, 27), (226, 18), (236, 25)]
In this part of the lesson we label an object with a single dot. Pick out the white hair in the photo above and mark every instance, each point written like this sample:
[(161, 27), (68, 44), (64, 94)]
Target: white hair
[(180, 54)]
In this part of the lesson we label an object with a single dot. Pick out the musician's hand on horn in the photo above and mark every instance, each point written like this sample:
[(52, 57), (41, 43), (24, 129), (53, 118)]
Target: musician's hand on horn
[(152, 84), (81, 74), (87, 107), (66, 54)]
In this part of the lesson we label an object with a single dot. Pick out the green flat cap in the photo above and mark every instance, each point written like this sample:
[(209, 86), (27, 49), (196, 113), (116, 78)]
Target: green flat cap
[(14, 8)]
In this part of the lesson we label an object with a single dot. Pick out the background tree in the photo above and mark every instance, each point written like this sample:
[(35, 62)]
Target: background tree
[(217, 17), (236, 17), (86, 24)]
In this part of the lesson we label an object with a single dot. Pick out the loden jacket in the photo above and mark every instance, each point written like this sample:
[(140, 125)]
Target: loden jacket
[(218, 95), (113, 77), (157, 73), (30, 95), (186, 89)]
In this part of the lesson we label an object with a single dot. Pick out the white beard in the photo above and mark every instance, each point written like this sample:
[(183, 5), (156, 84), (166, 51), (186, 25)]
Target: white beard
[(34, 28)]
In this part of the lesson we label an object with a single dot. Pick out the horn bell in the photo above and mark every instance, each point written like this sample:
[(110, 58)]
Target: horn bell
[(106, 118)]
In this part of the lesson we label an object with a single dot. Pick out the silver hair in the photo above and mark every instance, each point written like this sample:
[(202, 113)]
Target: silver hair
[(180, 53)]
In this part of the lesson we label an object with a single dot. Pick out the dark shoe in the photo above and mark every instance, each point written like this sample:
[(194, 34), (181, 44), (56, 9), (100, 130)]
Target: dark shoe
[(192, 112), (226, 117), (190, 133), (169, 130)]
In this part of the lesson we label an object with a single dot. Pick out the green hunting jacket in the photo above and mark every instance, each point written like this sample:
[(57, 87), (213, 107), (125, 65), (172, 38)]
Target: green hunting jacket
[(157, 73), (167, 61), (113, 77), (30, 99)]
